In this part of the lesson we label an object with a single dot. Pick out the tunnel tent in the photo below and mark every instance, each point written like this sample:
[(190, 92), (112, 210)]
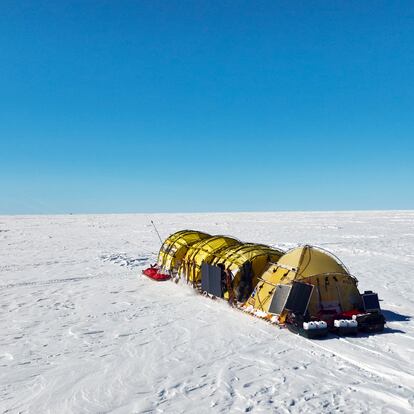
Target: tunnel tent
[(203, 252), (334, 287), (175, 248), (245, 262)]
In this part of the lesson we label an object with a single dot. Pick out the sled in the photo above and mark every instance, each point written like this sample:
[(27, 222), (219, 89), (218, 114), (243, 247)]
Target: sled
[(153, 273)]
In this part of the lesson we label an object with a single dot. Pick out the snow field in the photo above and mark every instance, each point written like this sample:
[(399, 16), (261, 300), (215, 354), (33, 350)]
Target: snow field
[(84, 332)]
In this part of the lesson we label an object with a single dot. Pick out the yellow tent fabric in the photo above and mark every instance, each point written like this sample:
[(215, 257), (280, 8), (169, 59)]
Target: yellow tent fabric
[(175, 248), (234, 258), (200, 252), (334, 288)]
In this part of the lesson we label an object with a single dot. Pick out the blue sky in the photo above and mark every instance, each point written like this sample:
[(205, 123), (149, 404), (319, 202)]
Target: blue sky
[(151, 106)]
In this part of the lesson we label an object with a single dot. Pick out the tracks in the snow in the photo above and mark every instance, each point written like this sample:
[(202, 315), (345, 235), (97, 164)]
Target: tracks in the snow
[(50, 282), (369, 360)]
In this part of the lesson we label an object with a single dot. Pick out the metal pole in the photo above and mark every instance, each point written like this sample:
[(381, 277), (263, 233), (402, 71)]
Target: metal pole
[(157, 232)]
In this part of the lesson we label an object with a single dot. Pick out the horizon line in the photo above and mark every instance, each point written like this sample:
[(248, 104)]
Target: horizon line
[(203, 212)]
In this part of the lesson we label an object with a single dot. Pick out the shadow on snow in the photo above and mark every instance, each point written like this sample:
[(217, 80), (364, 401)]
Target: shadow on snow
[(391, 316)]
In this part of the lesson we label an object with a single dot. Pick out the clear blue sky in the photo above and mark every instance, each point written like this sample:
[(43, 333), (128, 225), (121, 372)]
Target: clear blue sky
[(148, 106)]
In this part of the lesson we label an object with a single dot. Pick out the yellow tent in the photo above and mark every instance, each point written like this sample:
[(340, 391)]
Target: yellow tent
[(175, 248), (334, 288), (200, 252), (246, 258)]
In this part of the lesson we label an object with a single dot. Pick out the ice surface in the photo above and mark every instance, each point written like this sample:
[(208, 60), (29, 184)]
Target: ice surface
[(82, 331)]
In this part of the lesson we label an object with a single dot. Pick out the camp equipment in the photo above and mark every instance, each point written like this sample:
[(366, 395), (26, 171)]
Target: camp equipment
[(211, 280), (372, 320), (345, 327), (245, 262), (203, 252), (153, 273), (308, 289), (158, 234), (297, 318), (370, 302)]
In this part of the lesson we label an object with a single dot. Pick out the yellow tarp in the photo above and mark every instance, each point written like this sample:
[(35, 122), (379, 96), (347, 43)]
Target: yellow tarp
[(200, 252), (175, 248), (235, 257)]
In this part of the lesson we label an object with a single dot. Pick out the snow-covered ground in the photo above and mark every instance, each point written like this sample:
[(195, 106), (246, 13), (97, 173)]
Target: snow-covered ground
[(83, 332)]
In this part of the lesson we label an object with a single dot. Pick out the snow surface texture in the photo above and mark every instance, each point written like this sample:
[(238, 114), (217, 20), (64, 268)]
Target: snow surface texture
[(82, 331)]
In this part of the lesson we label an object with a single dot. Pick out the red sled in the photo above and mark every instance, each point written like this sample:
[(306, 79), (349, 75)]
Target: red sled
[(153, 273)]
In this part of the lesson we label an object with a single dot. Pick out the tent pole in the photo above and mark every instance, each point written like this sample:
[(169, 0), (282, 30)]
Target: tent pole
[(156, 231)]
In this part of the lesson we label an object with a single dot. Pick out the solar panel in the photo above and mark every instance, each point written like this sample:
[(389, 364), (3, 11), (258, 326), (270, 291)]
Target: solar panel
[(299, 298), (211, 279), (371, 302), (279, 299)]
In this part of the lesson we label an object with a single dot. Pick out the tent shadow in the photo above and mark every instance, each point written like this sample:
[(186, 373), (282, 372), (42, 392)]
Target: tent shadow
[(387, 330), (361, 335), (391, 316), (391, 330)]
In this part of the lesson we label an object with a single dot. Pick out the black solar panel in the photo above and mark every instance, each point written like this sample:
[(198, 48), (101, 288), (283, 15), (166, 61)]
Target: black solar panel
[(211, 279), (299, 297), (371, 302)]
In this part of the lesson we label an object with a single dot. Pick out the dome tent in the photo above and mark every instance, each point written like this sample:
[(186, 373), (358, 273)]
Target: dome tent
[(334, 287), (203, 252), (175, 248), (246, 262)]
